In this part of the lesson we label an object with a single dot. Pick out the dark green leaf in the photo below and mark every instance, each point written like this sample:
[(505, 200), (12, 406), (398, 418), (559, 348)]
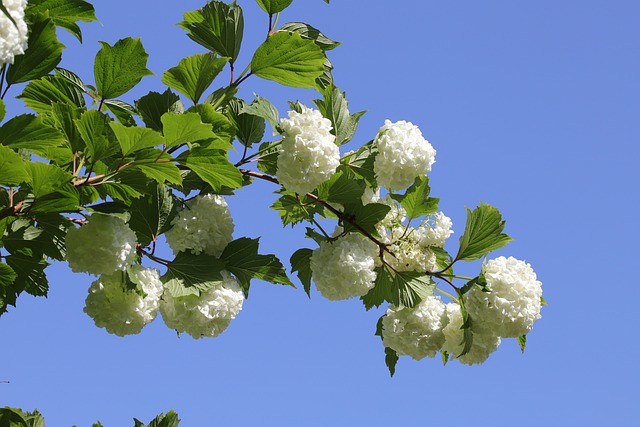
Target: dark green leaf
[(7, 275), (42, 94), (250, 127), (54, 231), (12, 167), (341, 189), (301, 262), (293, 210), (152, 215), (122, 111), (64, 13), (29, 268), (162, 420), (213, 167), (273, 6), (190, 274), (268, 158), (120, 67), (309, 32), (416, 200), (185, 128), (522, 342), (381, 291), (154, 105), (402, 289), (366, 216), (288, 59), (482, 234), (467, 324), (194, 74), (11, 417), (64, 117), (391, 359), (97, 134), (262, 107), (52, 189), (42, 55), (135, 138), (334, 106), (3, 110), (28, 132), (361, 163)]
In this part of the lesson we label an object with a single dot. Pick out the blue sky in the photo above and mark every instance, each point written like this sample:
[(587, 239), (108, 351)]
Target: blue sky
[(532, 107)]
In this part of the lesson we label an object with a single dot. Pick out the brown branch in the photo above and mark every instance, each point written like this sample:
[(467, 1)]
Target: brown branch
[(11, 210)]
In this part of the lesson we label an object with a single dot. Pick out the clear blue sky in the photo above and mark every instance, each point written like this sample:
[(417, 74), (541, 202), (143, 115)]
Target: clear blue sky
[(533, 107)]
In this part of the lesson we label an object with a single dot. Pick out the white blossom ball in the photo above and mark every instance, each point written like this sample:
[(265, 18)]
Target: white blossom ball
[(103, 245), (204, 225), (482, 346), (434, 230), (512, 304), (403, 155), (207, 314), (408, 253), (308, 154), (122, 311), (344, 268), (417, 331), (13, 39)]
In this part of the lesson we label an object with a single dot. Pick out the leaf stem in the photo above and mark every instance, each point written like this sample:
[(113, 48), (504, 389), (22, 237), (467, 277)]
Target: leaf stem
[(447, 294)]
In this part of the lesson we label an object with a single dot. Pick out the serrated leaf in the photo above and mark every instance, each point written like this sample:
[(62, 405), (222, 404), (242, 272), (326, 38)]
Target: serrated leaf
[(222, 128), (11, 417), (390, 359), (29, 268), (27, 131), (274, 6), (250, 127), (361, 163), (64, 116), (194, 74), (220, 98), (217, 26), (522, 342), (482, 234), (54, 231), (268, 158), (95, 130), (52, 189), (7, 275), (288, 59), (134, 138), (401, 289), (42, 94), (120, 67), (152, 215), (366, 216), (64, 13), (334, 106), (213, 167), (416, 200), (122, 111), (341, 189), (381, 291), (190, 274), (262, 107), (293, 211), (301, 262), (241, 258), (184, 128), (162, 420), (3, 110), (43, 53), (311, 33), (12, 167), (154, 105)]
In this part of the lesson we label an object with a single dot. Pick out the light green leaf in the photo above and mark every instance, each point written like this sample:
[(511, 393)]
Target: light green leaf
[(268, 158), (334, 106), (154, 105), (311, 33), (213, 167), (64, 13), (162, 420), (3, 110), (40, 95), (482, 234), (522, 342), (42, 55), (241, 258), (120, 67), (288, 59), (274, 6), (12, 167), (416, 200), (341, 189), (11, 417), (194, 74), (402, 289), (301, 262), (28, 132), (250, 127), (221, 126), (52, 189), (220, 98), (157, 165), (135, 138), (96, 132), (262, 107), (185, 128), (7, 276), (190, 274), (294, 210), (64, 116), (122, 111), (217, 26)]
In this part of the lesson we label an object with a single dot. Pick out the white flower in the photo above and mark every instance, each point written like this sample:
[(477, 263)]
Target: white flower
[(207, 314), (403, 155), (434, 230), (204, 225), (512, 304), (104, 245), (416, 332), (120, 310), (13, 40), (482, 346), (308, 154), (344, 268), (408, 253)]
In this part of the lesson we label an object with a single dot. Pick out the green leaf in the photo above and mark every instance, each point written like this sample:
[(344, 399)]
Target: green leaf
[(29, 268), (54, 232), (194, 74), (522, 342), (162, 420), (361, 163), (213, 167), (42, 94), (52, 189), (185, 128), (241, 258), (152, 215), (96, 132), (217, 26), (156, 165), (294, 210), (288, 59), (11, 417), (28, 132), (220, 98), (366, 216), (467, 323), (311, 33), (190, 274), (301, 262), (390, 359), (12, 167), (154, 105), (482, 234), (402, 289), (42, 55), (262, 107), (268, 158), (250, 127), (341, 189), (135, 138), (7, 275), (221, 126), (64, 116), (64, 13), (274, 6), (123, 111), (120, 67), (334, 106), (3, 110), (416, 200)]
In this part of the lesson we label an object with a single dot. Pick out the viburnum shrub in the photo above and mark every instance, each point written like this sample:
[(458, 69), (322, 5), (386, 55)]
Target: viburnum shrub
[(93, 180)]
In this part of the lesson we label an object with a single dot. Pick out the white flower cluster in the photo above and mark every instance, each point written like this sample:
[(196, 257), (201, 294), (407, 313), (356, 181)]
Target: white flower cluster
[(512, 304), (104, 245), (13, 39), (344, 268), (508, 310), (403, 155), (204, 225), (123, 311), (206, 315), (308, 154), (434, 230)]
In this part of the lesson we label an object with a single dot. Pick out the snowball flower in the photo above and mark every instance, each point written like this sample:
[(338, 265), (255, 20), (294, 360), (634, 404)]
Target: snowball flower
[(482, 346), (207, 314), (434, 231), (308, 154), (408, 253), (512, 304), (345, 268), (120, 310), (403, 155), (13, 40), (103, 245), (416, 332), (204, 225)]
